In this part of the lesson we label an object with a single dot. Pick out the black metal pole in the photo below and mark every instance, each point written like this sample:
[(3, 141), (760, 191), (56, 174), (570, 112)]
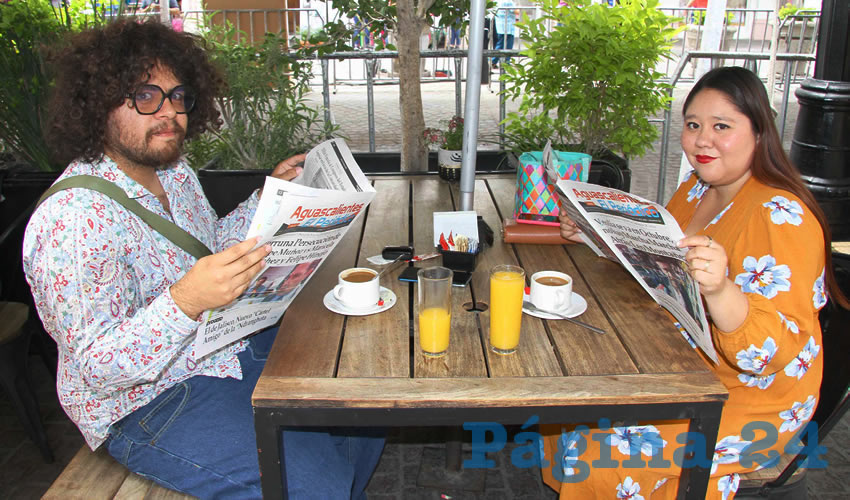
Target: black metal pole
[(821, 144), (833, 55)]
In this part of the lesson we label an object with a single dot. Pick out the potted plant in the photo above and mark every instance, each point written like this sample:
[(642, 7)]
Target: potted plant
[(265, 114), (589, 82), (449, 142)]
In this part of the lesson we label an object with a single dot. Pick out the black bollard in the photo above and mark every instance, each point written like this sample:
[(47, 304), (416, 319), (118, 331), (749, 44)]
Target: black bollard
[(821, 148)]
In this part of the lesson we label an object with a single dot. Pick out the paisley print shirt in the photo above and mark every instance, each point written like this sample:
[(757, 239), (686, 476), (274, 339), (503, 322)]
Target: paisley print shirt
[(101, 279)]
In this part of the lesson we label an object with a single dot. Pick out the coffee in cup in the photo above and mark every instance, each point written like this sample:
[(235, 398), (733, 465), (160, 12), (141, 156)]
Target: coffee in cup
[(358, 287), (551, 290)]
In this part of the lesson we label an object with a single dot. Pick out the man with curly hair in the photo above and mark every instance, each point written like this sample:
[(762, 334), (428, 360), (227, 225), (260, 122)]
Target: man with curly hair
[(123, 302)]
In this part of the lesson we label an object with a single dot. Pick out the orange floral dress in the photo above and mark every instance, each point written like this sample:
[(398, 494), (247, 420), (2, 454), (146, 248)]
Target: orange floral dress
[(771, 365)]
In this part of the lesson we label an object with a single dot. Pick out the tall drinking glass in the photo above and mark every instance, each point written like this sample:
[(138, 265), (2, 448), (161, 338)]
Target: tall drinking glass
[(435, 310), (507, 284)]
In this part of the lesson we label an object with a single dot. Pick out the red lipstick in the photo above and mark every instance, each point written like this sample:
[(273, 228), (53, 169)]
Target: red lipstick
[(705, 159)]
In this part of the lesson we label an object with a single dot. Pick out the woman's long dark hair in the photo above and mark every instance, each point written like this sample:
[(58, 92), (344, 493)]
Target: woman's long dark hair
[(100, 66), (771, 164)]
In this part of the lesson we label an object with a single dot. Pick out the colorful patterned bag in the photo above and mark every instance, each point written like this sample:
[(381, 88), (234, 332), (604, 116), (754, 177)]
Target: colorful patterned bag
[(536, 201)]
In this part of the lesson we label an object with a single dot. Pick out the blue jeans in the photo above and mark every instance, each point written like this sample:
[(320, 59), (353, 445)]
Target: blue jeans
[(198, 437), (505, 42)]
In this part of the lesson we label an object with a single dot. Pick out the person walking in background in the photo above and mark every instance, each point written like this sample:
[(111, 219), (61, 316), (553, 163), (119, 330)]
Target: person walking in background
[(454, 38), (506, 15)]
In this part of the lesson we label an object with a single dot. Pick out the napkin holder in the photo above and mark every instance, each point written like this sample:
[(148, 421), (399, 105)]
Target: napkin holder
[(458, 261)]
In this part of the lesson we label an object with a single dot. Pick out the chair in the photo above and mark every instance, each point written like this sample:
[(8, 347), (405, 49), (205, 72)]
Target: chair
[(790, 482), (14, 372)]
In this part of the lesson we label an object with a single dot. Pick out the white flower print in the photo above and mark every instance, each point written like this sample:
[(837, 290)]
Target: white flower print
[(797, 415), (569, 443), (718, 216), (697, 190), (754, 359), (728, 484), (629, 489), (762, 382), (728, 451), (819, 298), (783, 210), (644, 437), (790, 324), (764, 276), (801, 364), (660, 483)]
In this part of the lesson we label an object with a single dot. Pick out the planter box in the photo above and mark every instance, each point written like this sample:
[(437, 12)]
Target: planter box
[(20, 189)]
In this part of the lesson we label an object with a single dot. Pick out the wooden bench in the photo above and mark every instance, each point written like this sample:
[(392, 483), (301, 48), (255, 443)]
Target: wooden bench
[(95, 475)]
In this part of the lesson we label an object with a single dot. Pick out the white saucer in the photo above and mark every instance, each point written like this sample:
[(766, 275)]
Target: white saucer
[(338, 307), (577, 306)]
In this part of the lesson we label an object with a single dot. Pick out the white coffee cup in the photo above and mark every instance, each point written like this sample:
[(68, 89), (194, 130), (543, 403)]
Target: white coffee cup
[(551, 290), (358, 287)]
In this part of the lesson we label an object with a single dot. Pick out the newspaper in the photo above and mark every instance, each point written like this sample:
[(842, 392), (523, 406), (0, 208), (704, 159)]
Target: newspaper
[(302, 220), (642, 236)]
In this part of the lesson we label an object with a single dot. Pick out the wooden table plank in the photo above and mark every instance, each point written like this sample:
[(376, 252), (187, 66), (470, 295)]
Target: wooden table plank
[(535, 356), (645, 328), (579, 348), (465, 357), (378, 345), (299, 392)]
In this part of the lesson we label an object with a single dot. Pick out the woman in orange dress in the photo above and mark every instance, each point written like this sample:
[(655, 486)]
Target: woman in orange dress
[(759, 247)]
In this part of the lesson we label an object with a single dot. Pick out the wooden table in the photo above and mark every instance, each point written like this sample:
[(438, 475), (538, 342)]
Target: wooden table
[(326, 369)]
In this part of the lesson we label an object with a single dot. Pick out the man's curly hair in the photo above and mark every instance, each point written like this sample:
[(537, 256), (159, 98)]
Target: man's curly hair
[(100, 66)]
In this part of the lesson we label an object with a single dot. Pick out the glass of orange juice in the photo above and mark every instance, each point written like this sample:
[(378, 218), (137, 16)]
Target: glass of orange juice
[(435, 310), (507, 284)]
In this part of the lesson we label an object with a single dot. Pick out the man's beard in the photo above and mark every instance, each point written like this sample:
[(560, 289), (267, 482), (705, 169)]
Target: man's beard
[(142, 155)]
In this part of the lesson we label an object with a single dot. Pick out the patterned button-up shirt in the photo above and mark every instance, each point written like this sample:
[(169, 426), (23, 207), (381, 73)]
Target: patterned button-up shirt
[(101, 279)]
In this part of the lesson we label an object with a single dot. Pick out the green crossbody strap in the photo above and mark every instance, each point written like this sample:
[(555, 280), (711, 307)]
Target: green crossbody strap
[(163, 226)]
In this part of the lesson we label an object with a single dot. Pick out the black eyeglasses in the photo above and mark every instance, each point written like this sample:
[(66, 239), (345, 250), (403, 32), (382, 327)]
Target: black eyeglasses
[(148, 99)]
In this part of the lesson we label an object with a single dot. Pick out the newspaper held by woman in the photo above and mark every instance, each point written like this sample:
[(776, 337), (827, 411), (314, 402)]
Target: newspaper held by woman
[(641, 235)]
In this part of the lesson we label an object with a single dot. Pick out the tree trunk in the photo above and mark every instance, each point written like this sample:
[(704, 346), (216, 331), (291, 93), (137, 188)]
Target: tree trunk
[(410, 25)]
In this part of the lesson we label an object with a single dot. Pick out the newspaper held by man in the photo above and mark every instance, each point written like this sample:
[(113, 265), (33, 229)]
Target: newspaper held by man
[(642, 236), (302, 220)]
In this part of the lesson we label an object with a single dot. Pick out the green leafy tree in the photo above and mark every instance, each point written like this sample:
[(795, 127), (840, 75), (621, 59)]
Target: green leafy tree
[(407, 19), (27, 29), (264, 110), (589, 76)]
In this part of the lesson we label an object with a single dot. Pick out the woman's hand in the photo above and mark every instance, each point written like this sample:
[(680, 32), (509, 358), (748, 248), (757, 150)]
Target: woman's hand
[(727, 304), (707, 260), (569, 229)]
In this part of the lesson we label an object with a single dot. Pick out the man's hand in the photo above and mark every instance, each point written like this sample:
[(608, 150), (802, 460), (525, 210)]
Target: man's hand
[(288, 169), (218, 279)]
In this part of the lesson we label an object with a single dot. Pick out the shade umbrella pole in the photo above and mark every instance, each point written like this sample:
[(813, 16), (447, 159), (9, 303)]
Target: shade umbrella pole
[(472, 104)]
